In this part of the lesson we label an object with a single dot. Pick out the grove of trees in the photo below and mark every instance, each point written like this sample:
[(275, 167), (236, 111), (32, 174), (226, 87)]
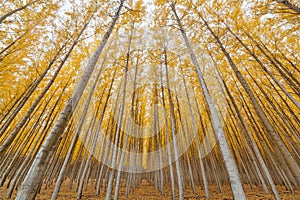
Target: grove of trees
[(105, 94)]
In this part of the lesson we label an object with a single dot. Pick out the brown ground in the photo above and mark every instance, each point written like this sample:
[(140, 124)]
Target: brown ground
[(148, 192)]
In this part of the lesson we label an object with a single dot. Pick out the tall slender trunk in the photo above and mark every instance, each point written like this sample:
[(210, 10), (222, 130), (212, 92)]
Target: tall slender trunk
[(265, 69), (109, 130), (185, 132), (263, 140), (74, 141), (7, 108), (3, 17), (21, 123), (205, 183), (280, 67), (128, 130), (31, 154), (35, 175), (235, 182), (119, 123), (253, 143), (30, 91), (10, 45), (173, 130), (97, 133), (23, 144), (167, 136), (282, 149), (254, 146), (156, 126)]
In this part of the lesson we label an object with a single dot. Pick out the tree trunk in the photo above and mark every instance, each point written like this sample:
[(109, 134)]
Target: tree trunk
[(32, 154), (119, 125), (35, 175), (74, 141), (289, 5), (265, 69), (128, 130), (282, 149), (204, 178), (173, 130), (17, 128), (3, 17), (27, 96), (235, 182), (167, 137), (97, 131)]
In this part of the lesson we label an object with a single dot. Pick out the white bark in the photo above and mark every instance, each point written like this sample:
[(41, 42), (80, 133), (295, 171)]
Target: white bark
[(27, 95), (235, 182), (173, 131), (128, 130), (97, 133), (282, 149), (205, 183), (35, 175), (167, 138), (73, 143), (33, 106)]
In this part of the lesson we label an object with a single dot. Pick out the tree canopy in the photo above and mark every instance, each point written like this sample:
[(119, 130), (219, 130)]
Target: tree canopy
[(175, 92)]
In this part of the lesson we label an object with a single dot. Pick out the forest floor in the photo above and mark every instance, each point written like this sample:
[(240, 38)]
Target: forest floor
[(148, 192)]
